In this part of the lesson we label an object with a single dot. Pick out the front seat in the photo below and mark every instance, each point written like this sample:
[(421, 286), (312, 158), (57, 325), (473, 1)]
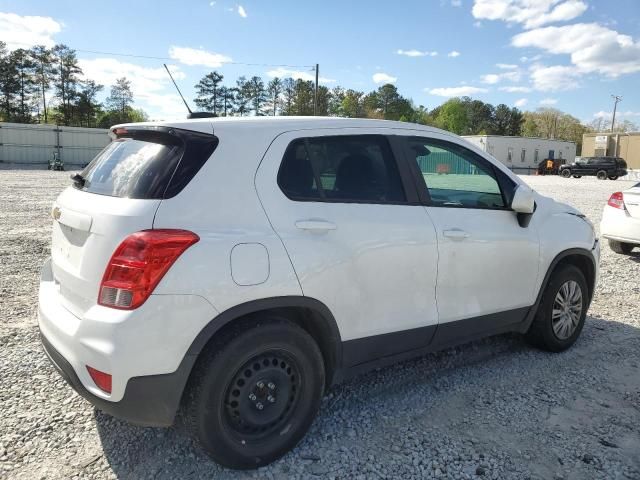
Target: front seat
[(356, 179)]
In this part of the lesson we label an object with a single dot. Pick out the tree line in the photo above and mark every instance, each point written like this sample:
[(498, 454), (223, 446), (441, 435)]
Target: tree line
[(463, 116), (46, 85)]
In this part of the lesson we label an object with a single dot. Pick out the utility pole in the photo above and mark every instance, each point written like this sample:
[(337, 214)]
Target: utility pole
[(616, 99), (315, 93)]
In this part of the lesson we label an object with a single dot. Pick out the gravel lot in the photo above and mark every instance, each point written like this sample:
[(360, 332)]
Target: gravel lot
[(491, 409)]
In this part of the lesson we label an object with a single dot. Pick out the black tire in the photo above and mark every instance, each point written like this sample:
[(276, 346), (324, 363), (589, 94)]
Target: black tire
[(613, 177), (577, 176), (601, 175), (622, 248), (273, 357), (541, 332), (566, 173)]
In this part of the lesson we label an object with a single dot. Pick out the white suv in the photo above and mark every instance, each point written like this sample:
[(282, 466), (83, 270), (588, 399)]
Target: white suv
[(236, 268)]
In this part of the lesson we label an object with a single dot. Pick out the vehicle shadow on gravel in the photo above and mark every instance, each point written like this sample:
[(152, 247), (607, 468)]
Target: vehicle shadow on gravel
[(471, 398)]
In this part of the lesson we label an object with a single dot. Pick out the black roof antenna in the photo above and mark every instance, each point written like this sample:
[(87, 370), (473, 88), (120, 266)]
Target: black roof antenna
[(191, 114)]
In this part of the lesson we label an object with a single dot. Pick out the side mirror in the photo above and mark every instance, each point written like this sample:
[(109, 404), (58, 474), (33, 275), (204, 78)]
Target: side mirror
[(523, 204), (523, 200)]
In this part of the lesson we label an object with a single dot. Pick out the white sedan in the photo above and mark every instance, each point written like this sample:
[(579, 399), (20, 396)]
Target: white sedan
[(621, 220)]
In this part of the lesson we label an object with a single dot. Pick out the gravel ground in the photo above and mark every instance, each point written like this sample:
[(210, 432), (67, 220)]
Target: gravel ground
[(490, 409)]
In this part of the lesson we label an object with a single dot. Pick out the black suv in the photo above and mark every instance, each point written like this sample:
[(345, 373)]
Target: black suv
[(601, 167)]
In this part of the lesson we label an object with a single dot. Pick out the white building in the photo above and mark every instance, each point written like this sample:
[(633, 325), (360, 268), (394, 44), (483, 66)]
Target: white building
[(522, 154)]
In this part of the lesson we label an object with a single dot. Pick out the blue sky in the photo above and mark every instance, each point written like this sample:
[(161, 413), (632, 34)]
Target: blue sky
[(569, 54)]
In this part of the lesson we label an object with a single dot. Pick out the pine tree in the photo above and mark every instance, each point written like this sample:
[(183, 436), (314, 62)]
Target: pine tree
[(45, 71), (274, 90), (228, 97), (208, 89), (289, 95), (120, 99), (9, 85), (257, 94), (242, 96), (25, 71), (67, 80)]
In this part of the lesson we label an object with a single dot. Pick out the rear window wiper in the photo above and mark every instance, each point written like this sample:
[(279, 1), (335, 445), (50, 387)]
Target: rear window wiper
[(78, 180)]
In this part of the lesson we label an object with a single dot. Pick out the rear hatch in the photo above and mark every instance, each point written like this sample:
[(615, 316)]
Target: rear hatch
[(118, 194), (631, 199)]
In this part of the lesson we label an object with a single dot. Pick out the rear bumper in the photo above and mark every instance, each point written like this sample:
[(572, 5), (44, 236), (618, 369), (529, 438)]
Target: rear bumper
[(148, 401), (144, 350)]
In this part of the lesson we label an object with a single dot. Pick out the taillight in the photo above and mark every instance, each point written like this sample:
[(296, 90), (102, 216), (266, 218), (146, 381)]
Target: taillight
[(616, 200), (101, 379), (138, 265)]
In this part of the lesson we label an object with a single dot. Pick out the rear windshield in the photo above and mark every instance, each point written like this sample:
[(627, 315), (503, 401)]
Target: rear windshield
[(148, 164)]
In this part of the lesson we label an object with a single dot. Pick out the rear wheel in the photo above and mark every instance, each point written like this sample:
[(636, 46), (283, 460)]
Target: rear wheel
[(613, 177), (562, 311), (256, 393), (566, 173), (621, 247), (601, 175)]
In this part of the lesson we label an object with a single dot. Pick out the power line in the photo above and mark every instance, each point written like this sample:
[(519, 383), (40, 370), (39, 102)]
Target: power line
[(150, 57)]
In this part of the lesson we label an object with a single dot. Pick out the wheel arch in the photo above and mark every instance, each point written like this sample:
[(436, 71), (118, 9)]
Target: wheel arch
[(310, 314), (579, 257)]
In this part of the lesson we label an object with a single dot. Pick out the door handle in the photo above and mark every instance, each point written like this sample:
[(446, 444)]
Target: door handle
[(315, 225), (455, 234)]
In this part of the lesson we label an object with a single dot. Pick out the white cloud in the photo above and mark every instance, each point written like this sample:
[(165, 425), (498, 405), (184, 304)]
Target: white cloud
[(26, 31), (416, 53), (381, 77), (456, 91), (211, 4), (530, 13), (151, 87), (619, 114), (548, 101), (195, 56), (477, 24), (493, 78), (242, 12), (521, 102), (515, 89), (506, 66), (593, 48), (456, 3), (453, 54), (535, 58), (281, 72), (555, 78)]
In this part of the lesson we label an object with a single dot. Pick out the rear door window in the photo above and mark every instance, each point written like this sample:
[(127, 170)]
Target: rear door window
[(147, 164), (349, 168)]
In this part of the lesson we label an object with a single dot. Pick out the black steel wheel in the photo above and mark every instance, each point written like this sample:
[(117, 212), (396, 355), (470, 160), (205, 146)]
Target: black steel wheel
[(255, 392), (566, 173), (262, 395), (601, 175)]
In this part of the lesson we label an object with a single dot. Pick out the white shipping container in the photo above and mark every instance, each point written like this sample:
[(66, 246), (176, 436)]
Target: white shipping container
[(36, 144)]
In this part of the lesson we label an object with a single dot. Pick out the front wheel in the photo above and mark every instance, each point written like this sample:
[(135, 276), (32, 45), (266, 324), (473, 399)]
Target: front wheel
[(256, 393), (566, 173), (621, 247), (562, 311), (601, 175)]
